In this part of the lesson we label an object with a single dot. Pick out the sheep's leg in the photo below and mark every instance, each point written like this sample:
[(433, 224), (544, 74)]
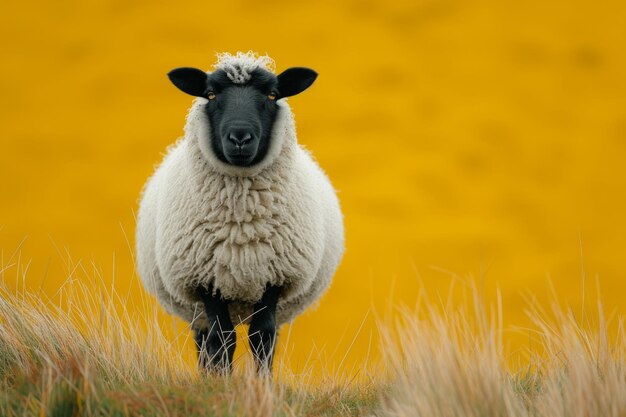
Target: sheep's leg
[(216, 344), (262, 333)]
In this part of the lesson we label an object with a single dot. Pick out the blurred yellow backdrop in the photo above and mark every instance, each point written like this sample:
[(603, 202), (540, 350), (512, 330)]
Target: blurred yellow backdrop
[(470, 138)]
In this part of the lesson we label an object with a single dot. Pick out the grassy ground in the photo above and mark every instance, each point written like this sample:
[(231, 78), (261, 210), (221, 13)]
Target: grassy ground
[(85, 356)]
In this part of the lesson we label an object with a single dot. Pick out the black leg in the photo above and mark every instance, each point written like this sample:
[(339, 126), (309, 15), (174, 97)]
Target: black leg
[(216, 344), (262, 333)]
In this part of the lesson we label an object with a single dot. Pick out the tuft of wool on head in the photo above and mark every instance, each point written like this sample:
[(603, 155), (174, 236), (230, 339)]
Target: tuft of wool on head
[(239, 67)]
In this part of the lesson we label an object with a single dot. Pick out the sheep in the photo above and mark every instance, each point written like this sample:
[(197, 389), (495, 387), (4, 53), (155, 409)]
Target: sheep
[(238, 224)]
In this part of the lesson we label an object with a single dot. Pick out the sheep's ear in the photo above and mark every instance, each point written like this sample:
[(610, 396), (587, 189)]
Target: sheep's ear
[(189, 80), (295, 80)]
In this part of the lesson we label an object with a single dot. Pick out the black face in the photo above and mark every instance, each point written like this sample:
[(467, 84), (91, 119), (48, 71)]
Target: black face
[(242, 116)]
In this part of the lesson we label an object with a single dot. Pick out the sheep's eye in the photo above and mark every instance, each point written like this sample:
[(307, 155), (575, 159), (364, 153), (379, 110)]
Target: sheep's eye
[(211, 95), (271, 96)]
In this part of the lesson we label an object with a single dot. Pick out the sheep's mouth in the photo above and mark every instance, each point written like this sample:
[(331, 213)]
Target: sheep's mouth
[(239, 159)]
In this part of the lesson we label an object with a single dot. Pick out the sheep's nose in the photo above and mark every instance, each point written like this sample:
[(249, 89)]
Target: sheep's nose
[(240, 137)]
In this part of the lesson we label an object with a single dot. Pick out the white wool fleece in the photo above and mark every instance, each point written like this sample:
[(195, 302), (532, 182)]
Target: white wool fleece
[(202, 221)]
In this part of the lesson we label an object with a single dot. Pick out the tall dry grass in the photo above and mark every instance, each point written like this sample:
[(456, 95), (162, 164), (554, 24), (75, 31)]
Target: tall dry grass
[(87, 352), (83, 353), (449, 361)]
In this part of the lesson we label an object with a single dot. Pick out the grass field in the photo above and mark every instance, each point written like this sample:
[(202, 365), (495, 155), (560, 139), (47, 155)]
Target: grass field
[(83, 353)]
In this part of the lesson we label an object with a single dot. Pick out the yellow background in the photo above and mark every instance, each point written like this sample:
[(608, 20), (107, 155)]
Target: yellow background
[(469, 138)]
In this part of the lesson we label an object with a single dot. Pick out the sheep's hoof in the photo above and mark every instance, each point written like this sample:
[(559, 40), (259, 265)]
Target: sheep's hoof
[(215, 351), (262, 343)]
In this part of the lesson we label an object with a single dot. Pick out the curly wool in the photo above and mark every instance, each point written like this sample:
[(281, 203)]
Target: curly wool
[(239, 67), (203, 222)]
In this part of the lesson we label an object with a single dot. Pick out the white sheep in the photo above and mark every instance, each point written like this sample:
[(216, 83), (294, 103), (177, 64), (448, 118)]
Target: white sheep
[(238, 223)]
